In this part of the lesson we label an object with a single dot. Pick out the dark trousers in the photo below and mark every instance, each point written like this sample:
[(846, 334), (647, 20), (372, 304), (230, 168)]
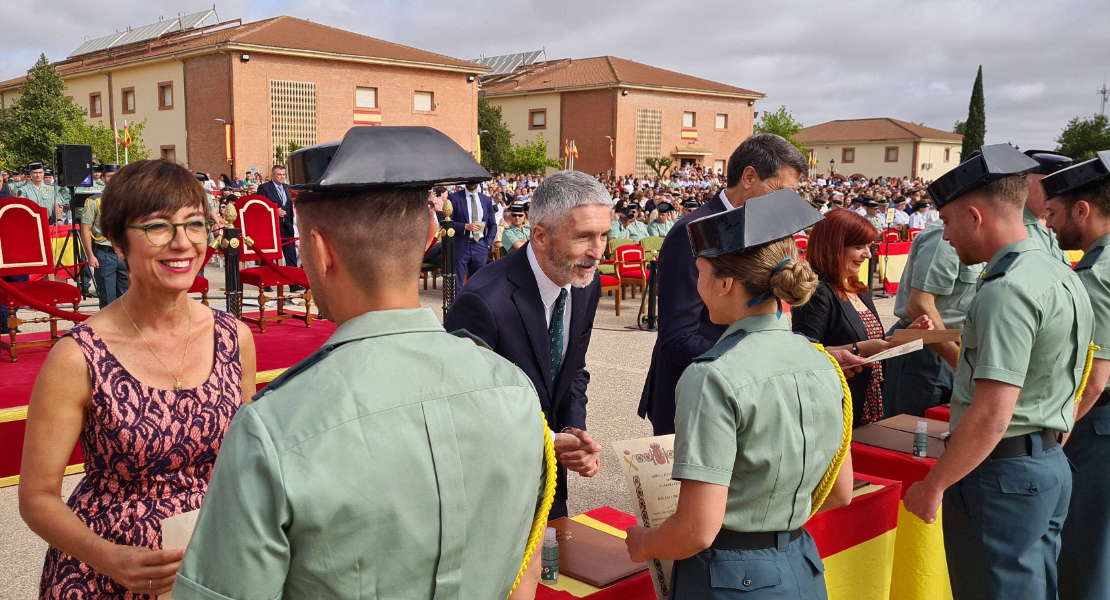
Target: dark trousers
[(1085, 549), (289, 251), (793, 570), (470, 257), (111, 276), (4, 309), (915, 382), (1002, 526)]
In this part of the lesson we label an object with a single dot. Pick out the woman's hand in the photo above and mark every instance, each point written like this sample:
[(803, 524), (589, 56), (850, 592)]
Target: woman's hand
[(142, 570), (634, 542), (870, 347), (849, 363), (922, 322)]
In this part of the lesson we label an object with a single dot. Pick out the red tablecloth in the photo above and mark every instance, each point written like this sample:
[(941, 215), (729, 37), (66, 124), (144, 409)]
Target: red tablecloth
[(940, 413)]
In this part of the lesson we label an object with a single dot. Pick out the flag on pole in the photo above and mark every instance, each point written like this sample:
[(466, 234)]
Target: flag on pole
[(126, 136), (574, 150), (566, 148)]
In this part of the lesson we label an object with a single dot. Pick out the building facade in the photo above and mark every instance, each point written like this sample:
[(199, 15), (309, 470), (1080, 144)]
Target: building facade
[(619, 113), (881, 148), (275, 81)]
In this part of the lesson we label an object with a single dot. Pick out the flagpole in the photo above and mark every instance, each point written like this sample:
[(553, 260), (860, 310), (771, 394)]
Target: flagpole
[(115, 134), (126, 160)]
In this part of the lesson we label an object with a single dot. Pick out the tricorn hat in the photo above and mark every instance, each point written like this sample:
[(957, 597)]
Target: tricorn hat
[(382, 157), (664, 207), (1048, 161), (1075, 177), (985, 165), (760, 220)]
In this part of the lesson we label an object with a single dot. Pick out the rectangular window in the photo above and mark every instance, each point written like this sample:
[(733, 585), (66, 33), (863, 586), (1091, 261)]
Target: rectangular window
[(689, 119), (165, 95), (423, 101), (947, 154), (95, 107), (649, 138), (892, 154), (169, 153), (128, 103), (537, 119), (366, 97), (292, 113), (722, 121), (848, 155), (719, 167)]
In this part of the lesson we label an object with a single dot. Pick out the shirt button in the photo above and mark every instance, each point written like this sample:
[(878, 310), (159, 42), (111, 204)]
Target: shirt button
[(1033, 489), (747, 583)]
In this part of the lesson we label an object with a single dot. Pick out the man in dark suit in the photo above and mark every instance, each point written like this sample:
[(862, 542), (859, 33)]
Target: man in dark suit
[(278, 192), (475, 227), (536, 308), (762, 164)]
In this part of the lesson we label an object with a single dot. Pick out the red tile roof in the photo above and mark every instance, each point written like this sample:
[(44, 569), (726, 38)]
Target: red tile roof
[(872, 130), (600, 71), (279, 32)]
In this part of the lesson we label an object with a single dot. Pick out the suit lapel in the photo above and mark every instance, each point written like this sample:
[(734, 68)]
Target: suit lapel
[(853, 317), (530, 305)]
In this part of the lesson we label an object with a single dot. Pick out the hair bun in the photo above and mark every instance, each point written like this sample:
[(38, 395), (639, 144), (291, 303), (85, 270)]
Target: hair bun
[(794, 282)]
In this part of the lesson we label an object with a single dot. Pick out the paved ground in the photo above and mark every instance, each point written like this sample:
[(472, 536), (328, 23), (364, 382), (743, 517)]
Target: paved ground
[(618, 361)]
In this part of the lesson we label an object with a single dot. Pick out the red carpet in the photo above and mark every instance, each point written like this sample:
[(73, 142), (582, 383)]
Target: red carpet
[(283, 345)]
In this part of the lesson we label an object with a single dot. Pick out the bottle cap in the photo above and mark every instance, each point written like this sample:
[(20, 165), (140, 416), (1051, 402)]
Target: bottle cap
[(549, 536), (922, 427)]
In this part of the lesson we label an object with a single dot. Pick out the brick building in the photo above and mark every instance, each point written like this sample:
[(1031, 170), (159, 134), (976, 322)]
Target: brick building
[(882, 148), (637, 111), (275, 81)]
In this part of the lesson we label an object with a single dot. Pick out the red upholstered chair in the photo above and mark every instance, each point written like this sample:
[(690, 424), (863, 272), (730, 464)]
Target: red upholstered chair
[(892, 235), (914, 232), (630, 267), (611, 282), (26, 249), (261, 232), (802, 242), (200, 284)]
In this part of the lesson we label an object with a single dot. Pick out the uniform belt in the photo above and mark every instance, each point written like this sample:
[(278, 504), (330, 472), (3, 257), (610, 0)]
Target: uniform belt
[(1103, 399), (1022, 445), (750, 540)]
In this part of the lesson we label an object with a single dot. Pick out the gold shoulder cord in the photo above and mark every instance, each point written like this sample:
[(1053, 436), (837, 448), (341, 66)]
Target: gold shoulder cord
[(827, 481), (95, 238), (1091, 349), (540, 522)]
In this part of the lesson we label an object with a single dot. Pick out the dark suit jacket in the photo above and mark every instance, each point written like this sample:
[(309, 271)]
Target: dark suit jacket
[(269, 189), (685, 331), (461, 217), (835, 322), (501, 304)]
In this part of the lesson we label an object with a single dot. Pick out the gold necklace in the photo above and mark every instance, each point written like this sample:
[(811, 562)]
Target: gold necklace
[(188, 340)]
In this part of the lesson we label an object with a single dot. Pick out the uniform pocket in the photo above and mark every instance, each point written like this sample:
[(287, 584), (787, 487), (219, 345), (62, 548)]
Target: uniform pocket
[(1026, 482), (1101, 426), (814, 558), (743, 575)]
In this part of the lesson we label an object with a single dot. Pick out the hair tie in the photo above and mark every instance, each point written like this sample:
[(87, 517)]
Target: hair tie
[(782, 262), (767, 294)]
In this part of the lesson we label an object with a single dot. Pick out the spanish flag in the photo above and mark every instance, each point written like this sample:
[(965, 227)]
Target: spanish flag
[(566, 148), (126, 137), (689, 133), (368, 117), (115, 132), (574, 150)]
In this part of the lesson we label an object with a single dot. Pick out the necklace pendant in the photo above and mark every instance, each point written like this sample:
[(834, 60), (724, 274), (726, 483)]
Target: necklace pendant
[(176, 385)]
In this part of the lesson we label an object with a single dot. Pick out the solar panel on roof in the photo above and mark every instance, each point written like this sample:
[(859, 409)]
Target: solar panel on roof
[(146, 32), (507, 63)]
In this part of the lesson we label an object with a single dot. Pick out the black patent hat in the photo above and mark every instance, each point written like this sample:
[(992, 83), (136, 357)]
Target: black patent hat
[(985, 165), (109, 168), (664, 207), (34, 166), (382, 157), (1077, 176), (1048, 161), (759, 221), (517, 209)]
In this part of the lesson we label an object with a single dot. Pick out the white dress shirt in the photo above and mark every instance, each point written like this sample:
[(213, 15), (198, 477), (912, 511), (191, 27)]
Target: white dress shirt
[(724, 201), (549, 294), (474, 204)]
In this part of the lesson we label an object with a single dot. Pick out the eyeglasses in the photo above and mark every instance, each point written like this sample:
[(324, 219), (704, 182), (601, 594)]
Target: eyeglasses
[(161, 233)]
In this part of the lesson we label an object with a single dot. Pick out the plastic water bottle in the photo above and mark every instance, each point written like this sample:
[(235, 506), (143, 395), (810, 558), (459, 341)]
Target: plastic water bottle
[(550, 559), (921, 440)]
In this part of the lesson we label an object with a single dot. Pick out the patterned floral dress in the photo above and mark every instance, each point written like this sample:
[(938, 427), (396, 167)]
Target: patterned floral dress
[(873, 401), (148, 456)]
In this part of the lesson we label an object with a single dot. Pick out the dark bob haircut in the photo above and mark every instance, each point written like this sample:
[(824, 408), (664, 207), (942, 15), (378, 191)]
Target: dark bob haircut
[(144, 189)]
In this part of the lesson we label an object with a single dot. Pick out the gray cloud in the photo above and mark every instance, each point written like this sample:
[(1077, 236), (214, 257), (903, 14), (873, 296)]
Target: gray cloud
[(908, 59)]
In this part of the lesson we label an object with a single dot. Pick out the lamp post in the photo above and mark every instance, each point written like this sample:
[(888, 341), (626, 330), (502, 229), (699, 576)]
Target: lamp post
[(447, 251), (832, 166)]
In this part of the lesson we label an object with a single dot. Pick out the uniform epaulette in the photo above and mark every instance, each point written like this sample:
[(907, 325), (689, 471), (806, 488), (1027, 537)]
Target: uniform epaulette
[(809, 339), (999, 269), (462, 333), (297, 369), (722, 346), (1090, 258)]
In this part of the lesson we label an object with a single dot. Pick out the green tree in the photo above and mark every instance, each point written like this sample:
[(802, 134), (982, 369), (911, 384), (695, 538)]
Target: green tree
[(975, 128), (960, 127), (495, 137), (38, 120), (1082, 138), (659, 165), (529, 159), (281, 153), (103, 142), (781, 123)]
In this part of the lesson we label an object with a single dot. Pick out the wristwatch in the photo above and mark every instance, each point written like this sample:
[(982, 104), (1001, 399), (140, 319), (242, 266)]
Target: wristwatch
[(855, 348)]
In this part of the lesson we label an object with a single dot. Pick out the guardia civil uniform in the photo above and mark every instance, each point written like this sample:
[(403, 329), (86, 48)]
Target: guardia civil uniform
[(617, 231), (42, 194), (659, 229), (636, 230), (918, 381), (513, 234), (1084, 562), (1044, 238), (761, 413), (1029, 326), (111, 276), (397, 461)]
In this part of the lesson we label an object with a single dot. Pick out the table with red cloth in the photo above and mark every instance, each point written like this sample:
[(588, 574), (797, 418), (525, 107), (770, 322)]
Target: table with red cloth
[(856, 543), (920, 567), (939, 413)]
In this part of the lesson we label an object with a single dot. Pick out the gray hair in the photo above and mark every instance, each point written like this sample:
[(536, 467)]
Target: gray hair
[(559, 193)]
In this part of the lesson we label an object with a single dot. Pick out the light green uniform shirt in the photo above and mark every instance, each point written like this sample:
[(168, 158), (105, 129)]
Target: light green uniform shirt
[(1029, 326), (933, 267), (1045, 238), (1094, 272), (91, 217), (636, 230), (618, 231), (762, 415), (397, 462), (657, 229), (512, 235), (43, 195)]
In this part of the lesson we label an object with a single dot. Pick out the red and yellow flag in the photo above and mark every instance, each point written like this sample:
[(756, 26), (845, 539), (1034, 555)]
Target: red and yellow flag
[(574, 150), (566, 149), (368, 117), (126, 137), (689, 133)]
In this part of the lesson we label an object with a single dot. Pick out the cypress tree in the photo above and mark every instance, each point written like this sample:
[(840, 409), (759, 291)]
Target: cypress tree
[(975, 128)]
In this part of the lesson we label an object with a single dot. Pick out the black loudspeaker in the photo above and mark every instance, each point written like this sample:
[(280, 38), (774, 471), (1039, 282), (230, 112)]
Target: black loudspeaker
[(73, 163)]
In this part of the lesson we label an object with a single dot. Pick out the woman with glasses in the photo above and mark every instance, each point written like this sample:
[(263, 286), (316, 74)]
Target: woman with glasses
[(148, 386)]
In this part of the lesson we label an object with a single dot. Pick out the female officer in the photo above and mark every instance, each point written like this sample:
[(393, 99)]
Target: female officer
[(761, 419)]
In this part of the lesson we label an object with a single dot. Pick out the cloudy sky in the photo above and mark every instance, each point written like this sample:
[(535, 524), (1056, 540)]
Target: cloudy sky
[(914, 60)]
